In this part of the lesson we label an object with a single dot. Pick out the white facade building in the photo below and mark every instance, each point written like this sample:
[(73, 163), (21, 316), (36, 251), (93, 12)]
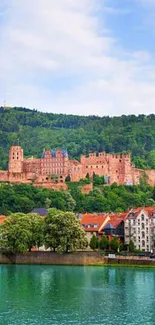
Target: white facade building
[(140, 228)]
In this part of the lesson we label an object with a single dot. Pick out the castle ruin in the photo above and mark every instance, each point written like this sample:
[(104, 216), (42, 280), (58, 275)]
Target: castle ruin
[(54, 166)]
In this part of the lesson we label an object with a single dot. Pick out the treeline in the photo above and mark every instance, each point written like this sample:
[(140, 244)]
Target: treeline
[(59, 231), (79, 134), (24, 198)]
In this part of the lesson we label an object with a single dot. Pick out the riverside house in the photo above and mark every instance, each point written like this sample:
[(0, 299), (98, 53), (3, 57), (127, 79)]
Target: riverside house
[(140, 228)]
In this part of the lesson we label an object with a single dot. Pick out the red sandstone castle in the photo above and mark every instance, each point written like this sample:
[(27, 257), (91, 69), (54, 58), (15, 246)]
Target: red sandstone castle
[(56, 165)]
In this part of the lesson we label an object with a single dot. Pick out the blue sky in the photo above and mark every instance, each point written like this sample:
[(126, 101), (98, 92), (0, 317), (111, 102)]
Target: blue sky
[(86, 57)]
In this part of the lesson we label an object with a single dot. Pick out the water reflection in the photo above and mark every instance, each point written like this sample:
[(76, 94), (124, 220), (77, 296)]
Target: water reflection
[(77, 295)]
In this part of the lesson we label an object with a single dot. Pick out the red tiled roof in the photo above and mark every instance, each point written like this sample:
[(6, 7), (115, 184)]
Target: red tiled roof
[(136, 211), (117, 218), (2, 218), (90, 220)]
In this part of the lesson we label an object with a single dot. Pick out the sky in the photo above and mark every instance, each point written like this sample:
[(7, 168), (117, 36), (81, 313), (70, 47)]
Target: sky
[(85, 57)]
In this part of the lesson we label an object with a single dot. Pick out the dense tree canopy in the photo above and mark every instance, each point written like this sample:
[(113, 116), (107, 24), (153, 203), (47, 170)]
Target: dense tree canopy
[(21, 232), (35, 130), (62, 232), (24, 198)]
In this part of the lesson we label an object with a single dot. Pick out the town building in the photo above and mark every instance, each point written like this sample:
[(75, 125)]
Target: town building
[(54, 167), (140, 228), (93, 224), (115, 226)]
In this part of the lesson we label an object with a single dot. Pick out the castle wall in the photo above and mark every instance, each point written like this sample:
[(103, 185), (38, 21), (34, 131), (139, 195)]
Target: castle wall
[(52, 186), (116, 167), (4, 176), (151, 176)]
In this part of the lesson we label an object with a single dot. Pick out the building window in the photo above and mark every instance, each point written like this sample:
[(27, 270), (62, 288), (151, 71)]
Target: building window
[(143, 234), (143, 226), (143, 243), (142, 217)]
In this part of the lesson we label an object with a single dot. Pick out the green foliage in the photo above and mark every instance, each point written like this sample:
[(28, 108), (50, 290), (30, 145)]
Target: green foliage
[(47, 203), (20, 233), (79, 134), (104, 243), (97, 180), (63, 232), (131, 246), (114, 198), (114, 244), (94, 242), (24, 198)]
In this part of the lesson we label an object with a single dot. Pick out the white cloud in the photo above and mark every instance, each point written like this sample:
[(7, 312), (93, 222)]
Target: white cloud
[(59, 56)]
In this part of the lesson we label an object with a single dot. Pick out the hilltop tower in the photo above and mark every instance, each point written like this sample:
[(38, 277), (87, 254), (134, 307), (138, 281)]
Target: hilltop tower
[(15, 159)]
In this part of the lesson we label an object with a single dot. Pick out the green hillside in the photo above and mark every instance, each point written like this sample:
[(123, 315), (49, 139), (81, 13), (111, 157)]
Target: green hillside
[(34, 131)]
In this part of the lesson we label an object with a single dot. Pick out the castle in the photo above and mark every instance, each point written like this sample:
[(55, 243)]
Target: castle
[(54, 166)]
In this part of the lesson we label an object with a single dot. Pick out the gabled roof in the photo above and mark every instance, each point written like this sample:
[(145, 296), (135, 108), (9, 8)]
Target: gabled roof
[(136, 211), (89, 220), (41, 211), (115, 220)]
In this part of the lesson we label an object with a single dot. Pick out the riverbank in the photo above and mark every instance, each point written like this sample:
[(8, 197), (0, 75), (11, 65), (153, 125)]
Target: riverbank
[(77, 258)]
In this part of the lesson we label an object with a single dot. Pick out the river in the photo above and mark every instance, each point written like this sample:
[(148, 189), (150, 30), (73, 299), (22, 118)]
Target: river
[(66, 295)]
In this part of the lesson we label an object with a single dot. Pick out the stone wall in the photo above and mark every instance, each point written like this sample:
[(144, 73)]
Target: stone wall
[(78, 258), (117, 167), (130, 260)]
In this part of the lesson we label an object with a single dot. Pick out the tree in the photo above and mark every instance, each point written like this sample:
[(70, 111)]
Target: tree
[(93, 242), (63, 232), (47, 203), (150, 202), (97, 180), (114, 244), (20, 233), (131, 246), (69, 201), (104, 243)]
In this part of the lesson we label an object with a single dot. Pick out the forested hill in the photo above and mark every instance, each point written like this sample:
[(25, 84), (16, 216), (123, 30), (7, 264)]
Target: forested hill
[(34, 131)]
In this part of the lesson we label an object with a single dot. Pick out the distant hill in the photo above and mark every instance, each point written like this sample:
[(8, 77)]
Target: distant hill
[(34, 131)]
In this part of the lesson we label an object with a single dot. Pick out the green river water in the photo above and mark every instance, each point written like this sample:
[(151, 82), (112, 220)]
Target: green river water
[(76, 295)]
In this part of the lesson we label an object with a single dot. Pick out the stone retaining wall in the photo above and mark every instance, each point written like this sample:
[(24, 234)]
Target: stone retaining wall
[(78, 258)]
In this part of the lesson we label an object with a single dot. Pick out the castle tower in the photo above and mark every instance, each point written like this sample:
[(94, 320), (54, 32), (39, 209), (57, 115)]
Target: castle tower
[(15, 159)]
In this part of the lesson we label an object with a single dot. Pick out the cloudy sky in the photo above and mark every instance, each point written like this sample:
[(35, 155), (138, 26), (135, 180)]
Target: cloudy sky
[(87, 57)]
